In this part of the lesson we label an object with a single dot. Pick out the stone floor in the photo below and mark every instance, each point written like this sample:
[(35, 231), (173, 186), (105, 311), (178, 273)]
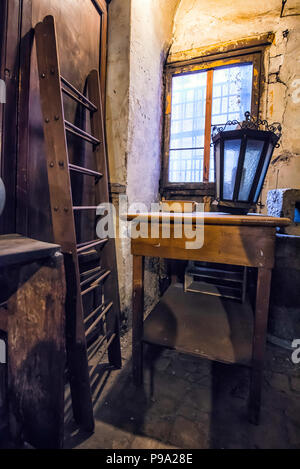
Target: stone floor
[(193, 403)]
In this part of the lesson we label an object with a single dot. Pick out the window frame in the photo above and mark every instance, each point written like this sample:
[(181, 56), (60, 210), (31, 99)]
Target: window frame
[(207, 63)]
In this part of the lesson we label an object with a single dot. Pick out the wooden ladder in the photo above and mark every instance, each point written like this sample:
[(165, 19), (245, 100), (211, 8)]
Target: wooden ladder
[(103, 277)]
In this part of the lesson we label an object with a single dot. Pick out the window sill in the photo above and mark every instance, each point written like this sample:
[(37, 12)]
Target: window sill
[(197, 189)]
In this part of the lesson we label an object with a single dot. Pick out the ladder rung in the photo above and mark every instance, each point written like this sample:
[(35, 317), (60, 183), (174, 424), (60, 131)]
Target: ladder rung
[(78, 93), (88, 172), (79, 99), (73, 129), (97, 282), (95, 346), (84, 246), (96, 322), (93, 313), (90, 272), (103, 353), (103, 378), (89, 279)]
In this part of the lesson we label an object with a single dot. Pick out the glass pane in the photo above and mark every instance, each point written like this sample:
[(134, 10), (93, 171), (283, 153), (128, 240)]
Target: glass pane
[(187, 127), (232, 93), (252, 157), (231, 158), (232, 90), (186, 166), (264, 171)]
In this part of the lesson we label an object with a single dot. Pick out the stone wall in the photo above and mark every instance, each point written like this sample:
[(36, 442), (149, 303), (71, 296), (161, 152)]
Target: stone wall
[(200, 23)]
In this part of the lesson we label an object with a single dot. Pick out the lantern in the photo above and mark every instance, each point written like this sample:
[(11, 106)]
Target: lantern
[(242, 157)]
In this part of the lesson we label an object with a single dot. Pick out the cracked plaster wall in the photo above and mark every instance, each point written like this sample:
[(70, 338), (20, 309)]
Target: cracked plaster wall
[(200, 23), (139, 36)]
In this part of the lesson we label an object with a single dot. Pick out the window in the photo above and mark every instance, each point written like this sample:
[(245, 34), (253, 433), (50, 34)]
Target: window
[(199, 96)]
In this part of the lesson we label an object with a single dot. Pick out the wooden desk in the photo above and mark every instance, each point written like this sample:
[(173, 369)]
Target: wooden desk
[(193, 323), (32, 313)]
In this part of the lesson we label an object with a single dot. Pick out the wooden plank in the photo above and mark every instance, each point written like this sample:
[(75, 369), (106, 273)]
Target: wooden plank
[(207, 131), (15, 249), (24, 109), (178, 205), (223, 244), (259, 341), (202, 325), (137, 319), (9, 69), (54, 134), (36, 349), (102, 8), (62, 216), (241, 46), (215, 218)]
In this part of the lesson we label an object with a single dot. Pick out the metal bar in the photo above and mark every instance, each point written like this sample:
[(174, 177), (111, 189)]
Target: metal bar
[(77, 99), (103, 353), (191, 148), (73, 129), (99, 318), (239, 169), (84, 246), (86, 102), (221, 168), (258, 172), (88, 172), (96, 284), (282, 7), (207, 131)]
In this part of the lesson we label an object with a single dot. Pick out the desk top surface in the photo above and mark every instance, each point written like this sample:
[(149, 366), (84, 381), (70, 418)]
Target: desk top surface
[(212, 218), (16, 249)]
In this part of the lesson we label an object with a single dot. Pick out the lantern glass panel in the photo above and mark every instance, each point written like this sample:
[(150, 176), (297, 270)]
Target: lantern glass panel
[(217, 167), (231, 158), (252, 157), (264, 171)]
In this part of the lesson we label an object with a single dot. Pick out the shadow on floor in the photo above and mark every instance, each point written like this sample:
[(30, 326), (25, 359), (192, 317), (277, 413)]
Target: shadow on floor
[(191, 403)]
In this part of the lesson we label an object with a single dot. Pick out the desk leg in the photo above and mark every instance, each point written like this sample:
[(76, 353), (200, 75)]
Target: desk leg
[(137, 319), (259, 341)]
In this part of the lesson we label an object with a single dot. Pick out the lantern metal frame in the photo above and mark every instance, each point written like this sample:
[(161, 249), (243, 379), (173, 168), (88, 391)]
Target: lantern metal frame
[(253, 129)]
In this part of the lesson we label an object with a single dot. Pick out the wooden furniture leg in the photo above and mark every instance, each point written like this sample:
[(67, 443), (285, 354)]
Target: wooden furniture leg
[(137, 319), (259, 340)]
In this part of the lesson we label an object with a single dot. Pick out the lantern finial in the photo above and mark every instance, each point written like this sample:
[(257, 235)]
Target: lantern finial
[(250, 122)]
